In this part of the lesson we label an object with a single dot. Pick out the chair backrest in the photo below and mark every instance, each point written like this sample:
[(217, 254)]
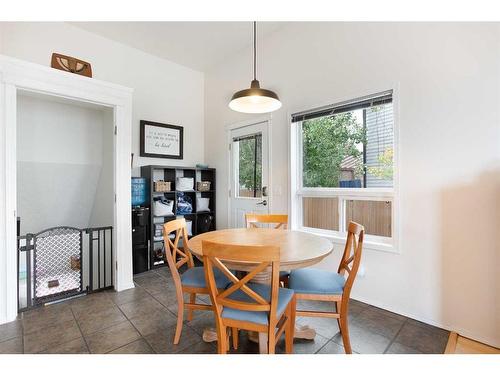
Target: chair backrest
[(263, 257), (352, 255), (176, 257), (252, 220)]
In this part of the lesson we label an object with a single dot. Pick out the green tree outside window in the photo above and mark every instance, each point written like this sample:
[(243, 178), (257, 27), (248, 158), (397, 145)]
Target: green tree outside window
[(327, 142)]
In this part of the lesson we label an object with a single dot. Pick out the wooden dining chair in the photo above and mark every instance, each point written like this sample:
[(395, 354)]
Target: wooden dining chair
[(192, 280), (320, 285), (279, 221), (262, 308)]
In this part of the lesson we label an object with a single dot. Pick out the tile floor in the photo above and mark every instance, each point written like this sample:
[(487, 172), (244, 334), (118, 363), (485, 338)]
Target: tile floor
[(142, 320)]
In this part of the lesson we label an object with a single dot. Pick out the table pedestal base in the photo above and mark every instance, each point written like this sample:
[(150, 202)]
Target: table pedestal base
[(301, 332), (209, 334)]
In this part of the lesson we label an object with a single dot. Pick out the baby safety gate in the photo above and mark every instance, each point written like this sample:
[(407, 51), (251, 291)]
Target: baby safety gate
[(62, 262)]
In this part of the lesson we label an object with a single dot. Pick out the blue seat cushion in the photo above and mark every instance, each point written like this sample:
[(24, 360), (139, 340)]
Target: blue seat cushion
[(195, 277), (316, 281), (258, 317)]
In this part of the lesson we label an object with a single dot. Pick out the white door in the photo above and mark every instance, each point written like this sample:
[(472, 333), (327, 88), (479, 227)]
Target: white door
[(249, 163)]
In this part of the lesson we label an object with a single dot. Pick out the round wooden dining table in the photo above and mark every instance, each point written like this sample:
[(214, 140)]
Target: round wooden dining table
[(297, 250)]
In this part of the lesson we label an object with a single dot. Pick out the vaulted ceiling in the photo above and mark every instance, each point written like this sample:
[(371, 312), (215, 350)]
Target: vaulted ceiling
[(198, 45)]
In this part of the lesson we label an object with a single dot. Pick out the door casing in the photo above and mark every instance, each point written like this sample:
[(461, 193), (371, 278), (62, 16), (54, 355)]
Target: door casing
[(18, 75)]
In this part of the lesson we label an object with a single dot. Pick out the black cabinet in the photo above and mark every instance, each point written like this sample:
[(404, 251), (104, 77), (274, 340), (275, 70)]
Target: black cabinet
[(140, 239)]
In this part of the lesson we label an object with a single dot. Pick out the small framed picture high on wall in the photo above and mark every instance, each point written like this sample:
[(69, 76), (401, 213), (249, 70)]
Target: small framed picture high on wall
[(161, 140)]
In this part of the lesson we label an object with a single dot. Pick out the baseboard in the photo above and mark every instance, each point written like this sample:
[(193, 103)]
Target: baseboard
[(125, 286), (491, 341), (451, 346), (8, 317)]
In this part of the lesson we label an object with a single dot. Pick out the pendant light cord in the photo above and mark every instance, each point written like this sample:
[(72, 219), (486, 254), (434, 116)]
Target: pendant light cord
[(254, 51)]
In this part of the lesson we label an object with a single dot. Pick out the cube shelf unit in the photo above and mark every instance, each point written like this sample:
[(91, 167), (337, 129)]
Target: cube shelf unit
[(154, 173)]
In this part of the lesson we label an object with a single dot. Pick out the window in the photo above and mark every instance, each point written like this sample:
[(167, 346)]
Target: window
[(343, 168), (248, 150)]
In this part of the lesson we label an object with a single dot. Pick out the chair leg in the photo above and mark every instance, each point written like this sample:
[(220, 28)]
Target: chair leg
[(180, 318), (290, 330), (192, 299), (234, 333), (338, 304), (221, 339), (271, 341), (293, 315), (344, 331)]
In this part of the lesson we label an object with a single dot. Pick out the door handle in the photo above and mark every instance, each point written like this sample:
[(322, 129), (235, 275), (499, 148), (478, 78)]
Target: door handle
[(264, 203)]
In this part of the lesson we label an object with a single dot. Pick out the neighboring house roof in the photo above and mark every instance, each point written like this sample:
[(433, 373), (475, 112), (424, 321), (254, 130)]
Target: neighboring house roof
[(349, 163)]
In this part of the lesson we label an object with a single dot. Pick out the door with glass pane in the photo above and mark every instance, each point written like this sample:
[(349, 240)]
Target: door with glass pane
[(249, 172)]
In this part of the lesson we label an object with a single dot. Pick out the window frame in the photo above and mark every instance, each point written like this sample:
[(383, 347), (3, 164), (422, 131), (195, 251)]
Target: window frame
[(297, 191), (236, 161)]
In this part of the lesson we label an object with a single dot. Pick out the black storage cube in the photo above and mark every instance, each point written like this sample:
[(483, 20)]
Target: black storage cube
[(140, 259), (140, 239), (204, 223), (139, 236)]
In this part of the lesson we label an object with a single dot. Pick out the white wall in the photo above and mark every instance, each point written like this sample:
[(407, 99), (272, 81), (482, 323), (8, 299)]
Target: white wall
[(447, 272), (64, 165), (103, 207), (163, 91)]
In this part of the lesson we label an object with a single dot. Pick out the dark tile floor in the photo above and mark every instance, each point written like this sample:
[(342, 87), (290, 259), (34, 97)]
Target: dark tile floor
[(142, 320)]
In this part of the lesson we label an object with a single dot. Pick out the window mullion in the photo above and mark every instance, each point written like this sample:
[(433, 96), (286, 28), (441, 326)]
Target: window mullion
[(300, 182), (342, 213), (255, 166)]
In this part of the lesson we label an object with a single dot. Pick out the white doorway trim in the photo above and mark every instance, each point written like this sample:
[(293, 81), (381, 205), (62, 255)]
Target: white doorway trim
[(262, 119), (17, 75)]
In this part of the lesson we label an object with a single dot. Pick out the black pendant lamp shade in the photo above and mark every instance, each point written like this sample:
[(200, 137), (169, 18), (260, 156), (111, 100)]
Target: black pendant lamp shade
[(255, 99)]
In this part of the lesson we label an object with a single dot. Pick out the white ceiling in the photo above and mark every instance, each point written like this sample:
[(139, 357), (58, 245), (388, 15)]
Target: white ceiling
[(198, 45)]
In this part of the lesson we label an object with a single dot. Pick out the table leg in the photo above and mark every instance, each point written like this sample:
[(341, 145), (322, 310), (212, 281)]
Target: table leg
[(301, 332), (262, 338)]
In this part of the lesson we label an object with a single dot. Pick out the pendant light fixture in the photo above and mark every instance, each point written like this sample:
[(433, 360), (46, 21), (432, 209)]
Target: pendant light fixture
[(255, 99)]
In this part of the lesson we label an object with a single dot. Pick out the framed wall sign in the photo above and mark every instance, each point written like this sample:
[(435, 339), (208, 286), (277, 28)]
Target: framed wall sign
[(161, 140)]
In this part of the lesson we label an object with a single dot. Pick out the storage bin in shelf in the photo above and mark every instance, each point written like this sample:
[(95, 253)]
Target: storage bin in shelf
[(162, 186), (160, 238)]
